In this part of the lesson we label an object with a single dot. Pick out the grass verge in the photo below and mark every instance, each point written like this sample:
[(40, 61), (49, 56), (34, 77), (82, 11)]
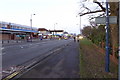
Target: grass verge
[(92, 62)]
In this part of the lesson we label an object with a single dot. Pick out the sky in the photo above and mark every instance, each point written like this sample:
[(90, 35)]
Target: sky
[(48, 13)]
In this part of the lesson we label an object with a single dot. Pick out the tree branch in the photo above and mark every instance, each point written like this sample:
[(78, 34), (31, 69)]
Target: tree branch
[(86, 7), (90, 18), (100, 5), (91, 12)]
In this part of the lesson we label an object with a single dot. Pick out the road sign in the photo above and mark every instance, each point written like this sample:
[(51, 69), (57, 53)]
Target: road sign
[(102, 20)]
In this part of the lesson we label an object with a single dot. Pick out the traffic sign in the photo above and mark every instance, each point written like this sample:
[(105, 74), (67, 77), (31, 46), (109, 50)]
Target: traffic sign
[(102, 20)]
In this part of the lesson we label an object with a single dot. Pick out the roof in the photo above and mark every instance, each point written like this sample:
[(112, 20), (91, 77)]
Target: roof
[(65, 32), (14, 24), (42, 29), (18, 30), (56, 30)]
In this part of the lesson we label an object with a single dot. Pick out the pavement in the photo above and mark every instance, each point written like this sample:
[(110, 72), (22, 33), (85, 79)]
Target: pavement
[(63, 63), (11, 42)]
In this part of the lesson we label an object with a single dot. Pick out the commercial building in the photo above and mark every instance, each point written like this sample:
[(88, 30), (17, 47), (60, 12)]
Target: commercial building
[(44, 33), (50, 33), (12, 31), (56, 32)]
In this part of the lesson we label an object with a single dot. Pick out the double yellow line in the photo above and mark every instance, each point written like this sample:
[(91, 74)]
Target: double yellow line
[(11, 76)]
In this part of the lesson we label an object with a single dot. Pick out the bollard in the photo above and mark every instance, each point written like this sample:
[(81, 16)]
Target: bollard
[(16, 41)]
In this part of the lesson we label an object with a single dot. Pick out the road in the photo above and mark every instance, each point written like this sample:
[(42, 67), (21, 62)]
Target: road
[(13, 55), (63, 64)]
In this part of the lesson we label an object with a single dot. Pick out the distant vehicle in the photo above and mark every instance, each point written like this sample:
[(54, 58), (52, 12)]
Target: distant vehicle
[(81, 37), (65, 38)]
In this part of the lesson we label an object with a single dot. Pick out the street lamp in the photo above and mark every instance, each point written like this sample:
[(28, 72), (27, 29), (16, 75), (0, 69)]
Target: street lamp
[(80, 23), (31, 20), (31, 25), (54, 28)]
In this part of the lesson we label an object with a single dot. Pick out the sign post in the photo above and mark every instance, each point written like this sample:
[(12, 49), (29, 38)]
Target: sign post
[(109, 20), (102, 20), (119, 43), (107, 59)]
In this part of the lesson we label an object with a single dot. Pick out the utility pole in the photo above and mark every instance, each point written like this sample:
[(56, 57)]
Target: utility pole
[(107, 60)]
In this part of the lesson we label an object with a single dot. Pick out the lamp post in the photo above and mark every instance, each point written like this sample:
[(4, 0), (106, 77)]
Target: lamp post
[(80, 23), (31, 25), (54, 28)]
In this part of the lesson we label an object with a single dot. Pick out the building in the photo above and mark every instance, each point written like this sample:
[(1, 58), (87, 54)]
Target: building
[(44, 33), (12, 31), (56, 32)]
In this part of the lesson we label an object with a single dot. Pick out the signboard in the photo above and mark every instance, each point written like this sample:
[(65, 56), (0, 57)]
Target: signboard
[(102, 20)]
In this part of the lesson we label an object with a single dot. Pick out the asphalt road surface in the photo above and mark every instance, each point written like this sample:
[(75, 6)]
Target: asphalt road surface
[(63, 64), (17, 54)]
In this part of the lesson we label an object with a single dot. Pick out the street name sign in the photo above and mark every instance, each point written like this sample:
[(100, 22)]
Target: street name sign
[(102, 20)]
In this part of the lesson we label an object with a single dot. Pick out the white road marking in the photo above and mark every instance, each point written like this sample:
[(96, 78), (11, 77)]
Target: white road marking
[(43, 42), (38, 43), (21, 46), (2, 53), (30, 44), (2, 48)]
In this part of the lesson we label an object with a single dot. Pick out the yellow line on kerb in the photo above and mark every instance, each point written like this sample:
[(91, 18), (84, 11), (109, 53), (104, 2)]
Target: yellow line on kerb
[(11, 76)]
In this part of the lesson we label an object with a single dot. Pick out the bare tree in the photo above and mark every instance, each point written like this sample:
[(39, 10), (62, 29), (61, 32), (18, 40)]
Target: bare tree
[(86, 10)]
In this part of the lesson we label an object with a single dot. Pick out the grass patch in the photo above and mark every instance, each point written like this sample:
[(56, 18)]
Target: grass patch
[(83, 69), (85, 42), (92, 62), (83, 72)]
